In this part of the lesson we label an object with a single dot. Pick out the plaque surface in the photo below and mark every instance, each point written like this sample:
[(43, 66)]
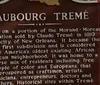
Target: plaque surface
[(49, 42)]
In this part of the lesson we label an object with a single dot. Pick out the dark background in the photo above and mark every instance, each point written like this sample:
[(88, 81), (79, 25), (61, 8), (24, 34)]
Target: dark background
[(23, 6)]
